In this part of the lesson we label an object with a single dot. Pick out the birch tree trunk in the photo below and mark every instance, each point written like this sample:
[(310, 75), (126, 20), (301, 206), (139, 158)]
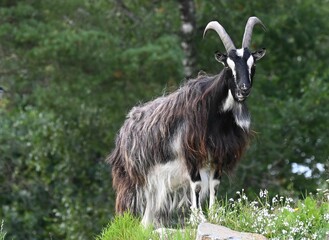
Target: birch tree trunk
[(188, 29)]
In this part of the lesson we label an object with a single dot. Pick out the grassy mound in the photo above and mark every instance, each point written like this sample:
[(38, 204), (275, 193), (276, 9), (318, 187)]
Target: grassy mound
[(275, 218)]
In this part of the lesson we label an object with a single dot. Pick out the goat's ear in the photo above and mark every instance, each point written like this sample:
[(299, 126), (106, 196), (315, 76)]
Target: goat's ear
[(220, 57), (259, 54)]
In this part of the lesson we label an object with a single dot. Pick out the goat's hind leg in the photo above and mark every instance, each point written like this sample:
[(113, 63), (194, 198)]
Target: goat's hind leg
[(148, 216)]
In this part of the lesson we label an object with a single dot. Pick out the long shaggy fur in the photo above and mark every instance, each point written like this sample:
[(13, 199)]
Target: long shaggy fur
[(187, 129)]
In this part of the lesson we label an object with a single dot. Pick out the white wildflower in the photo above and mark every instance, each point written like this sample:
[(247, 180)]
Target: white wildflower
[(289, 200), (326, 216), (265, 193), (244, 197), (261, 194), (254, 205)]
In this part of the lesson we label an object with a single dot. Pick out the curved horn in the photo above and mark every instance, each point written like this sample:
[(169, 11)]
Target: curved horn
[(252, 21), (227, 41)]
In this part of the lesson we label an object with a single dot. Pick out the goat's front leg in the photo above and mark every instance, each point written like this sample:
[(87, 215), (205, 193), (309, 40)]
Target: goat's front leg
[(195, 195), (196, 209), (214, 181)]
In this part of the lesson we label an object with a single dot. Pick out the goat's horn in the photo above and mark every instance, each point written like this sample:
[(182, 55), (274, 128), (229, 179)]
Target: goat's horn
[(227, 41), (252, 21)]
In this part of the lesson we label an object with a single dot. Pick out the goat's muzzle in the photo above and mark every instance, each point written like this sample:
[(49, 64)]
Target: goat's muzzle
[(242, 94)]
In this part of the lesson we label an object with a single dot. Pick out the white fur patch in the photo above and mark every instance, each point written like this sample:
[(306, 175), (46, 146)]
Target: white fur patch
[(194, 201), (169, 176), (240, 52), (176, 144), (205, 178), (241, 121), (229, 102), (231, 64), (250, 63), (213, 183), (162, 180)]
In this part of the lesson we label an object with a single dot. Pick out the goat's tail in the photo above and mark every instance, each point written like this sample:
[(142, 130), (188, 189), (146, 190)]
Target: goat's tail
[(127, 194), (126, 198)]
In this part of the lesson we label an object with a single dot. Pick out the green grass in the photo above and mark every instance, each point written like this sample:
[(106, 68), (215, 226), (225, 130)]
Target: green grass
[(128, 227), (125, 227), (276, 218)]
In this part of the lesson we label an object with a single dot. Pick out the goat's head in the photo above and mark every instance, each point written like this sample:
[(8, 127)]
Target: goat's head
[(241, 62)]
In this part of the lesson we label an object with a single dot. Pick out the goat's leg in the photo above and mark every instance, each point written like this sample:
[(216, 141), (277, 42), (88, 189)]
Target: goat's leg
[(195, 195), (214, 181), (196, 209), (148, 216)]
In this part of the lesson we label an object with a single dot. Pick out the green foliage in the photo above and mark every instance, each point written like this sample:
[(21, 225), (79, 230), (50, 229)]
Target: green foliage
[(43, 178), (128, 227), (70, 74), (125, 227)]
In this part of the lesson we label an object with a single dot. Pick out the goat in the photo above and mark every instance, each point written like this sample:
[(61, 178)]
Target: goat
[(172, 151)]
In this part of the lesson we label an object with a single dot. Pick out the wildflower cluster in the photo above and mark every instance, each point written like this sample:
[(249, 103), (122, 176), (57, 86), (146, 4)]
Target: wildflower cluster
[(324, 191), (276, 218)]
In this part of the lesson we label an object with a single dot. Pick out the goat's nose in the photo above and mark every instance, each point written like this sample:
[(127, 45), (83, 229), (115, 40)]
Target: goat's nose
[(244, 87)]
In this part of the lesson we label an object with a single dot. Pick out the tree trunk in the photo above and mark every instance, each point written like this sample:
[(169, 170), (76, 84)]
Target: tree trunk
[(188, 29)]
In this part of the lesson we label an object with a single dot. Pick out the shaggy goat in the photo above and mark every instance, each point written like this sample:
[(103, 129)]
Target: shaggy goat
[(171, 151)]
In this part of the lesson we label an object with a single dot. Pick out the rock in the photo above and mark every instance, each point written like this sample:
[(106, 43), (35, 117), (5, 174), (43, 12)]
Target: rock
[(169, 233), (208, 231)]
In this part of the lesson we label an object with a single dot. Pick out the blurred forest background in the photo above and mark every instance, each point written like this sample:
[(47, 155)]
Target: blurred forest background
[(72, 69)]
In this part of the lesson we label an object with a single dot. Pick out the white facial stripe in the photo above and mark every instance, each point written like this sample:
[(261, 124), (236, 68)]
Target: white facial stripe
[(250, 62), (231, 64)]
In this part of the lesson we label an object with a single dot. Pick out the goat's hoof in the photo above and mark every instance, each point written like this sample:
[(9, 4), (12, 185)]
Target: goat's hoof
[(197, 217)]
